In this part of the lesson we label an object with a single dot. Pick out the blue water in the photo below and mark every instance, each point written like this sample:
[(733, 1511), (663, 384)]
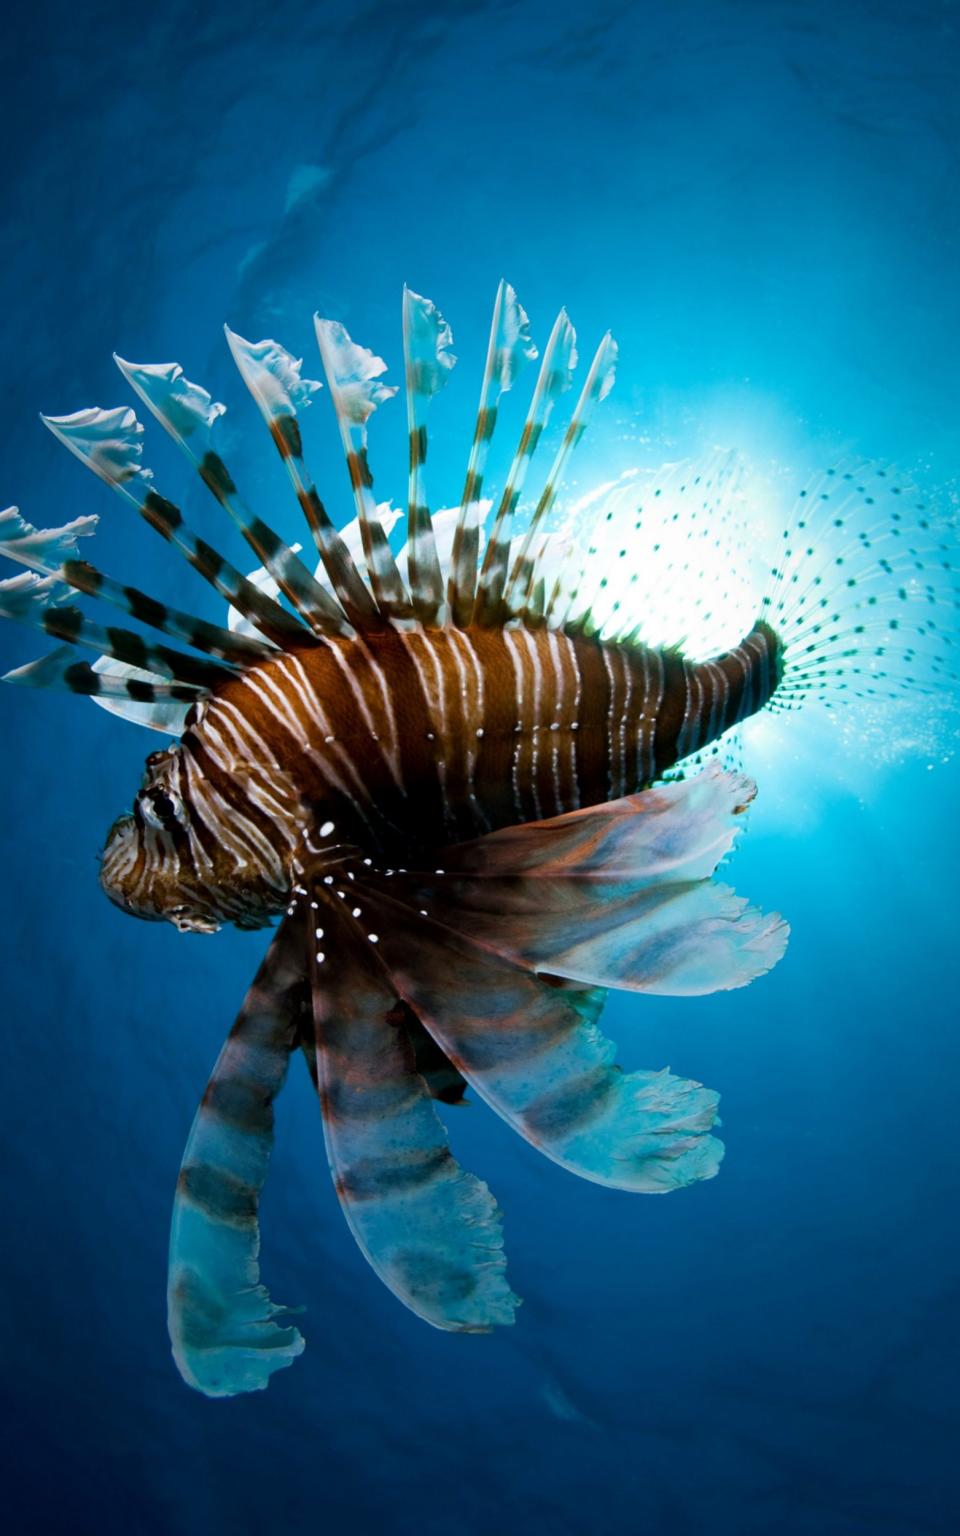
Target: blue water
[(762, 200)]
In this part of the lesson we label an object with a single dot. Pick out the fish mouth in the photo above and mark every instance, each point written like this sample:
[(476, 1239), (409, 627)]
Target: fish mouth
[(186, 921), (182, 917), (156, 904)]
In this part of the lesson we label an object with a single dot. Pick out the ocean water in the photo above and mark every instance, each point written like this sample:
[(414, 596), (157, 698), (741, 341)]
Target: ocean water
[(762, 201)]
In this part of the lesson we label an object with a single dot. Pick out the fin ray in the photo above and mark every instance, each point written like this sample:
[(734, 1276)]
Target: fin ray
[(597, 386), (353, 376), (428, 360), (430, 1230), (129, 692), (39, 602), (166, 392), (617, 895), (227, 1334), (555, 377), (273, 377), (529, 1049), (54, 552), (509, 347), (108, 443)]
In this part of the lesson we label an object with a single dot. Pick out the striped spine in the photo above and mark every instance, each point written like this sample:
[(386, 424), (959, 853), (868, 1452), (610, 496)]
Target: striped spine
[(428, 360), (211, 638), (556, 370), (353, 375), (598, 384), (273, 378), (108, 443), (54, 552), (509, 347), (164, 400), (38, 602), (61, 672)]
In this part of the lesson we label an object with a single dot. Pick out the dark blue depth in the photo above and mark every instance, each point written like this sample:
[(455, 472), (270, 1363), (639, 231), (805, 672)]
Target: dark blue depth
[(761, 199)]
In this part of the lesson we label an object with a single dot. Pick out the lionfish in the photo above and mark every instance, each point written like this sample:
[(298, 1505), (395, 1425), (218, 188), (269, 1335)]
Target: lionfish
[(453, 793)]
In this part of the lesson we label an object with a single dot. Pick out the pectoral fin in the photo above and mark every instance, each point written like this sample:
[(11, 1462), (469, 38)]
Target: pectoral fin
[(619, 895), (227, 1334), (531, 1048), (430, 1230)]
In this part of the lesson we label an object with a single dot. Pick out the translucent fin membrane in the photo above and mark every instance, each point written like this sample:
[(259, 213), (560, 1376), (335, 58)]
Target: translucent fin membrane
[(131, 692), (501, 951), (524, 1045), (555, 377), (864, 592), (42, 602), (598, 384), (510, 346), (353, 375), (661, 557), (42, 549), (54, 552), (109, 443), (273, 378), (428, 360), (156, 706), (228, 1336), (188, 414), (430, 1230)]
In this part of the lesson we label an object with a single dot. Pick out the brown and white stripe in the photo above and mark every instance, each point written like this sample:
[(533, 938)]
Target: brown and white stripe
[(353, 374), (556, 373), (510, 345)]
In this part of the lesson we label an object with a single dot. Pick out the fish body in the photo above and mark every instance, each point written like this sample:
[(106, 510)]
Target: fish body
[(447, 733), (449, 795), (411, 739)]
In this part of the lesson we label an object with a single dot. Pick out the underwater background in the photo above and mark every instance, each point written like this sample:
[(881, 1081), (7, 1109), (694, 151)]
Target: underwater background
[(761, 199)]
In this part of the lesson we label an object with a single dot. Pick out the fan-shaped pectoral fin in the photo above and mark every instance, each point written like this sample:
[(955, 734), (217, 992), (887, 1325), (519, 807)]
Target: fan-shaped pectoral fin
[(618, 895), (529, 1045), (430, 1230), (227, 1335)]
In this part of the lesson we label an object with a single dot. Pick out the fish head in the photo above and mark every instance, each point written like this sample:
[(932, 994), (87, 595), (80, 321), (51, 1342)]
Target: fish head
[(156, 864)]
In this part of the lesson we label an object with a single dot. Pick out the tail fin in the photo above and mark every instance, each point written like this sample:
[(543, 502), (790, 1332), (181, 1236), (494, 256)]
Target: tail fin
[(855, 598), (864, 595)]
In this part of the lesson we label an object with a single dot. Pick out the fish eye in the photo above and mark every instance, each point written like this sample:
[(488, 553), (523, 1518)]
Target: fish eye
[(160, 809)]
